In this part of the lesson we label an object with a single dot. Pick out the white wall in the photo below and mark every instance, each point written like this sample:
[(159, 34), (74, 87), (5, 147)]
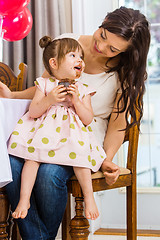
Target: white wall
[(87, 15)]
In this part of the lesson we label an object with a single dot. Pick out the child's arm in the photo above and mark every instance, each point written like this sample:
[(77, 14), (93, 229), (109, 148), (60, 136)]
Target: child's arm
[(42, 102), (83, 109)]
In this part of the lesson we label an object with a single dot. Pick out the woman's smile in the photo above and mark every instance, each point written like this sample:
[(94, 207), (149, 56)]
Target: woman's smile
[(96, 47)]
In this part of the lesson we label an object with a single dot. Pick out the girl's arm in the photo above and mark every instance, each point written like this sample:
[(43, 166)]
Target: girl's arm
[(42, 102), (83, 108), (112, 142)]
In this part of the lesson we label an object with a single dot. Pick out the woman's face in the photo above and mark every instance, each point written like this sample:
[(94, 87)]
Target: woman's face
[(107, 44)]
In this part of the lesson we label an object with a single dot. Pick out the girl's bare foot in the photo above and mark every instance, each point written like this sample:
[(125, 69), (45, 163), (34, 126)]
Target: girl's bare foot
[(21, 210), (91, 210)]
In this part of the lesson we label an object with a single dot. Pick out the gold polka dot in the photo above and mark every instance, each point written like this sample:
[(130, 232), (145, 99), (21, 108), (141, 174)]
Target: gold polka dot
[(63, 140), (89, 158), (89, 128), (84, 129), (20, 121), (31, 149), (72, 126), (51, 153), (102, 156), (72, 155), (15, 133), (58, 129), (51, 80), (41, 125), (32, 130), (93, 162), (45, 140), (84, 84), (54, 116), (29, 141), (36, 82), (13, 145), (74, 118), (90, 146), (97, 148), (81, 143), (65, 117)]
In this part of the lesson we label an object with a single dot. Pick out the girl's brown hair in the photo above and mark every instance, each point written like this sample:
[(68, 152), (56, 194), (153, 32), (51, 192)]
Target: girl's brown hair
[(57, 48)]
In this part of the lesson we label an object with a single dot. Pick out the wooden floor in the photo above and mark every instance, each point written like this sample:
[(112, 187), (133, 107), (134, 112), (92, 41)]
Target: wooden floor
[(113, 237), (119, 234), (143, 233)]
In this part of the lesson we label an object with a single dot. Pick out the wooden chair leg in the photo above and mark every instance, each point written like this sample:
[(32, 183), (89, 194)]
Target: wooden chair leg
[(79, 224), (66, 221), (15, 235), (4, 214), (132, 212)]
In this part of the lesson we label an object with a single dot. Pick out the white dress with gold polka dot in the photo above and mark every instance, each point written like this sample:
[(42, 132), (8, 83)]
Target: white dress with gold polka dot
[(58, 136)]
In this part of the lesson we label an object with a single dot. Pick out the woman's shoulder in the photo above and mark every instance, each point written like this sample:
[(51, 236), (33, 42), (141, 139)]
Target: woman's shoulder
[(68, 35)]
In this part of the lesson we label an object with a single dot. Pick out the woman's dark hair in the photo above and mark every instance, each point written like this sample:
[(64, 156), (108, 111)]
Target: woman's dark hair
[(132, 26), (57, 48)]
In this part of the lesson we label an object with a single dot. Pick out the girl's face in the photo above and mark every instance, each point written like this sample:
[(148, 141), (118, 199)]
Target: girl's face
[(107, 44), (71, 66)]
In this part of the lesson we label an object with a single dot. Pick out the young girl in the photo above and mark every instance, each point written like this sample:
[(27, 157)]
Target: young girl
[(55, 129)]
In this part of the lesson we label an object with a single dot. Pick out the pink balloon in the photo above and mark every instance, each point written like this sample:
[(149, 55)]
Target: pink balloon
[(12, 6), (17, 26)]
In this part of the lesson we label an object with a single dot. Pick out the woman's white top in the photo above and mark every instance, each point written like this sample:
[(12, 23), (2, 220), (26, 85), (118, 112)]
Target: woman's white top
[(106, 85)]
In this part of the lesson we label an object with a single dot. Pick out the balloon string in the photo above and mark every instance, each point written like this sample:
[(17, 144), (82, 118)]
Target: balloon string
[(1, 38), (1, 24)]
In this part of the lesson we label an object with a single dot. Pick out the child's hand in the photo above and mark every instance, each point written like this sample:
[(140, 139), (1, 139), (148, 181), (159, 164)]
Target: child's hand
[(73, 91), (57, 94), (5, 92)]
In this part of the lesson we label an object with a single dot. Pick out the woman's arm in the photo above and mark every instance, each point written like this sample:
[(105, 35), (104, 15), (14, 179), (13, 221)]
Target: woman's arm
[(5, 92), (112, 142), (25, 94)]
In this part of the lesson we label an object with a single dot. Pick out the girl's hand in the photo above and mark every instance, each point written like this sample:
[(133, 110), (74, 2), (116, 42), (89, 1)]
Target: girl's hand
[(111, 171), (5, 92), (73, 90), (57, 94)]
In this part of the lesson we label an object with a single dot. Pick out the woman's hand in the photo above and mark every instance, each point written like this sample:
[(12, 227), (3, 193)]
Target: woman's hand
[(111, 171), (5, 92)]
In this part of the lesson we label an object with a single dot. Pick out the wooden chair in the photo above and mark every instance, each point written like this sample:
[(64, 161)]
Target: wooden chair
[(77, 228), (15, 84)]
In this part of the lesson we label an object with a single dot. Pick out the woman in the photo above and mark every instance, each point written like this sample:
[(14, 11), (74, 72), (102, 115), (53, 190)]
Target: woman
[(115, 58)]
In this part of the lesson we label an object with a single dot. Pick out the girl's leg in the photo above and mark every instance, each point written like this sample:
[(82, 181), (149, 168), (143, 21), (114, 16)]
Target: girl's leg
[(48, 199), (28, 178), (84, 177)]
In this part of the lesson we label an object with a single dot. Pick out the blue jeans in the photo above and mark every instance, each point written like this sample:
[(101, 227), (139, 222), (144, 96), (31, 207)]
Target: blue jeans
[(48, 199)]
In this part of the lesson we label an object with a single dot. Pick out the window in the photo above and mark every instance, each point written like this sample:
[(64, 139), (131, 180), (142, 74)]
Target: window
[(148, 162)]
